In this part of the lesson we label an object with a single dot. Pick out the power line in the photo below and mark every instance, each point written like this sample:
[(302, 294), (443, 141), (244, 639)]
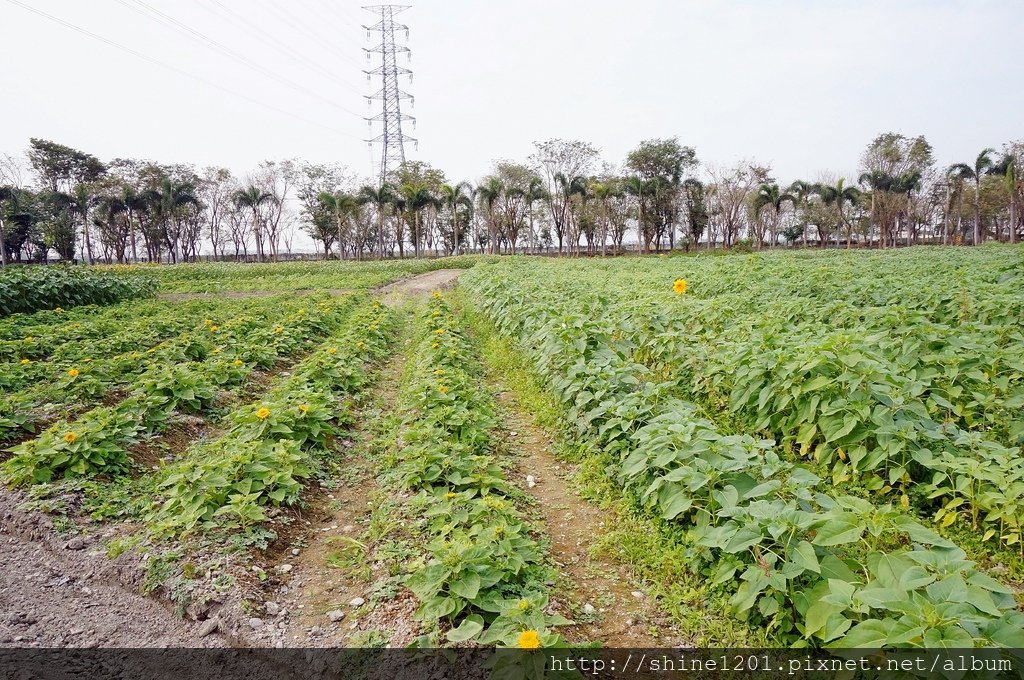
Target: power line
[(341, 14), (309, 33), (151, 12), (162, 64), (260, 34)]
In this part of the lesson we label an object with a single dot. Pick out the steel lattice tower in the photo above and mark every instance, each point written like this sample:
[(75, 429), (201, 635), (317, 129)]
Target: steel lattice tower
[(391, 116)]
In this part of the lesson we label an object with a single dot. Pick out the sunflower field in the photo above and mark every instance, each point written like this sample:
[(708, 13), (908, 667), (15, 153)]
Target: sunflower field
[(814, 428)]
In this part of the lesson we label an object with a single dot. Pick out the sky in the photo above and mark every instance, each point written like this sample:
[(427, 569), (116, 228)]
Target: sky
[(801, 85)]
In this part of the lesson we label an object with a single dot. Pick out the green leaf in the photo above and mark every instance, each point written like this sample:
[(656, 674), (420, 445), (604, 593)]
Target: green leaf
[(839, 529), (804, 556), (470, 627), (467, 586), (870, 634)]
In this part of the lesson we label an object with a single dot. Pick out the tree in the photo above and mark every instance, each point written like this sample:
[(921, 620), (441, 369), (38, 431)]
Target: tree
[(771, 197), (982, 163), (380, 198), (836, 197), (215, 191), (253, 198), (662, 164), (453, 196), (171, 200), (488, 192), (801, 192), (533, 193), (416, 199), (565, 159), (730, 191), (887, 158), (7, 194), (61, 168), (1009, 170)]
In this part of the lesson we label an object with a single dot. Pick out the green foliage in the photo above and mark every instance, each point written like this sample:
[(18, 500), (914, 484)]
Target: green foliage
[(859, 390), (97, 442), (273, 445), (484, 574), (27, 289)]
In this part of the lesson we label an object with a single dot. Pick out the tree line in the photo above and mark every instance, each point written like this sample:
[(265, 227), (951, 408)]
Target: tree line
[(563, 198)]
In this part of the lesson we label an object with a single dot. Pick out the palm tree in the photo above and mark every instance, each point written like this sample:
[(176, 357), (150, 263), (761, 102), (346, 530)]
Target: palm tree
[(634, 186), (80, 201), (981, 164), (570, 187), (7, 193), (170, 199), (453, 196), (417, 198), (380, 197), (136, 204), (838, 196), (605, 193), (769, 195), (534, 192), (878, 183), (1007, 169), (111, 209), (907, 184), (487, 194), (253, 197), (343, 206), (801, 192)]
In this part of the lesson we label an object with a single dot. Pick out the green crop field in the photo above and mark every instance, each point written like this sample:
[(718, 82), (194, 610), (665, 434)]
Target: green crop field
[(798, 448)]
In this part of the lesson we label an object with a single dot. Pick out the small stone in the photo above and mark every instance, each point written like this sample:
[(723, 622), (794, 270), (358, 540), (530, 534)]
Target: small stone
[(348, 528), (336, 615), (273, 608), (76, 543), (357, 602), (255, 623), (514, 433), (283, 590), (295, 552), (588, 608), (87, 591), (209, 627), (637, 594), (284, 568)]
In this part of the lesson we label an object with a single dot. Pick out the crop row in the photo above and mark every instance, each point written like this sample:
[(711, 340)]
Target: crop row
[(814, 567), (246, 331), (50, 348), (484, 575), (98, 441), (275, 444), (928, 412), (27, 289)]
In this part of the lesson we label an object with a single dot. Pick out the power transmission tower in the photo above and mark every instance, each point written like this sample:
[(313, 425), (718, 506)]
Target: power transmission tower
[(391, 96)]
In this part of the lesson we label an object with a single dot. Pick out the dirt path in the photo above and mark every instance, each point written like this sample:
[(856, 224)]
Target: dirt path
[(65, 592), (597, 593), (420, 285), (329, 595)]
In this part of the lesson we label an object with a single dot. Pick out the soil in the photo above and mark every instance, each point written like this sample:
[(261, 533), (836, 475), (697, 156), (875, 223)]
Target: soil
[(423, 284), (623, 615), (65, 592)]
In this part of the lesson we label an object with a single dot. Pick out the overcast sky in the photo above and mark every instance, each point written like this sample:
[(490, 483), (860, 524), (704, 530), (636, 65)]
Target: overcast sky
[(802, 85)]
